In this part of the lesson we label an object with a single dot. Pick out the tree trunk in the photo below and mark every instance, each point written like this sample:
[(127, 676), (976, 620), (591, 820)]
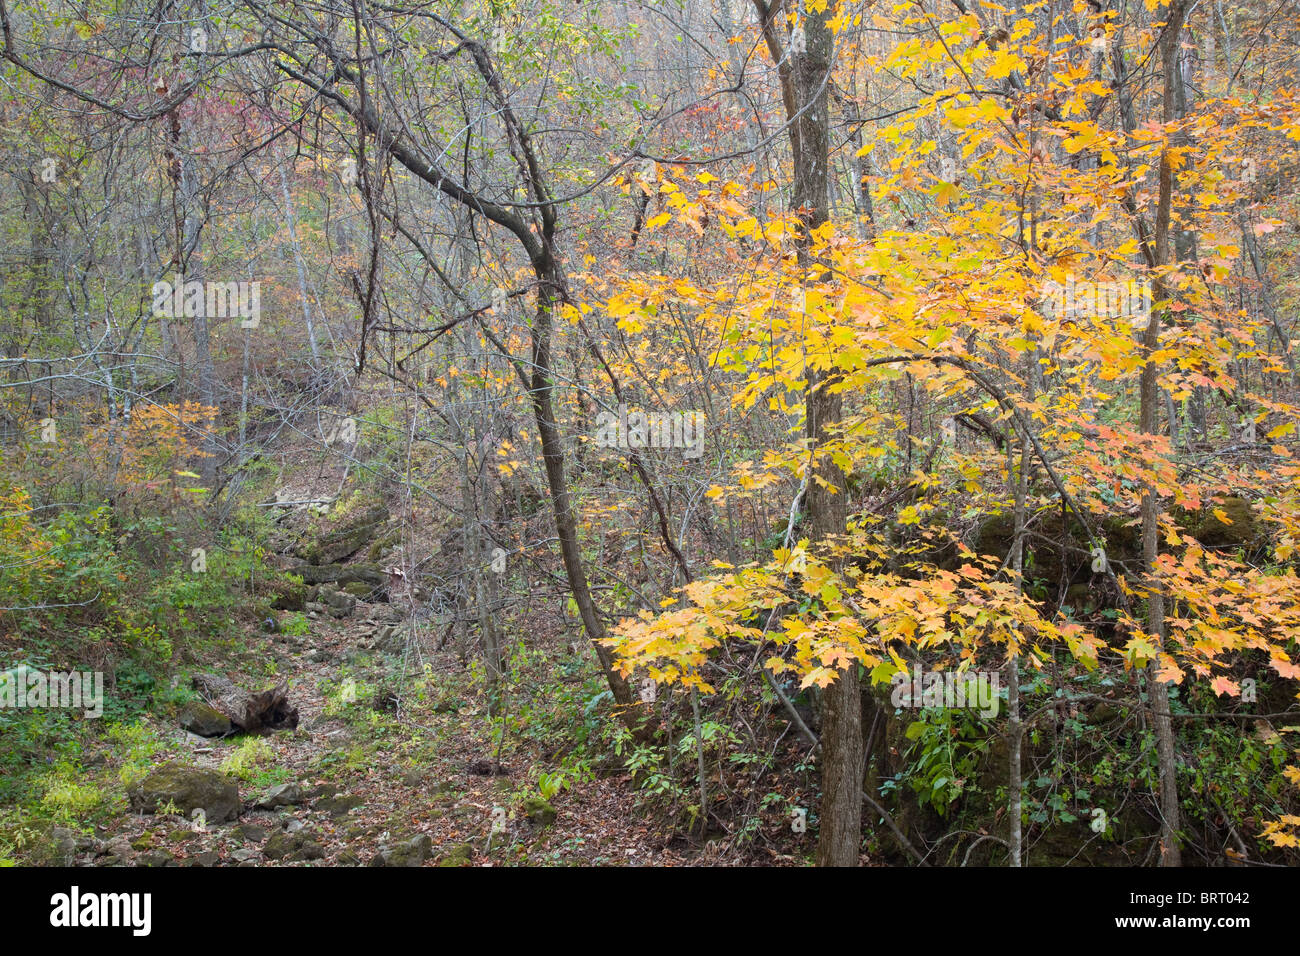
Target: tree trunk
[(1170, 854), (805, 92)]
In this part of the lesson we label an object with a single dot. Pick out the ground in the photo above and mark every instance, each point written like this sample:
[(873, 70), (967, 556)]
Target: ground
[(375, 773)]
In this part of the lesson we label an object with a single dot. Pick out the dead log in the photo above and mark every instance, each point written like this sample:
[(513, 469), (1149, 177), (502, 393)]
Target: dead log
[(265, 710)]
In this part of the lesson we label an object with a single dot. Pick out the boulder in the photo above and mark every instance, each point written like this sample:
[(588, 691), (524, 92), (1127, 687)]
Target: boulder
[(189, 789), (249, 833), (1240, 530), (285, 795), (204, 720), (459, 855), (61, 847), (390, 639), (411, 852), (293, 847), (339, 806), (338, 603)]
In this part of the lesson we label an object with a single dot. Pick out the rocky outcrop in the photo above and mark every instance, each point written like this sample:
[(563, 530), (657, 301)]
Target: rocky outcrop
[(347, 536), (342, 574)]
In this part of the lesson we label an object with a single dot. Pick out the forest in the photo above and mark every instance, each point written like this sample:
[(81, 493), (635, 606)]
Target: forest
[(650, 433)]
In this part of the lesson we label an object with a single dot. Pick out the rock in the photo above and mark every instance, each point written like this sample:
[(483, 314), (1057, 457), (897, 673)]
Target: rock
[(1240, 530), (386, 614), (339, 806), (204, 720), (249, 833), (326, 790), (338, 603), (412, 852), (116, 851), (342, 574), (348, 858), (384, 544), (459, 855), (207, 858), (390, 639), (309, 851), (348, 536), (61, 848), (359, 590), (413, 778), (245, 855), (294, 846), (539, 811), (155, 858), (181, 836), (285, 795), (189, 788)]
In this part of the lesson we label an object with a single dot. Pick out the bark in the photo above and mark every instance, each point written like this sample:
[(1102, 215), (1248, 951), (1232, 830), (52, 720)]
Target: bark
[(805, 85)]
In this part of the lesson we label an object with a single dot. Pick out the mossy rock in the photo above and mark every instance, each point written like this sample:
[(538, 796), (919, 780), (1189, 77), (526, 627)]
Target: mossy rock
[(1240, 530), (412, 852), (460, 855), (353, 531), (55, 846), (384, 543), (342, 574), (339, 806), (188, 788), (539, 811), (1059, 549), (294, 847), (358, 589), (204, 720)]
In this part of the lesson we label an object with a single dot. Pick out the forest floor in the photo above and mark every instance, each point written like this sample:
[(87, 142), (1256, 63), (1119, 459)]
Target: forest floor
[(375, 774)]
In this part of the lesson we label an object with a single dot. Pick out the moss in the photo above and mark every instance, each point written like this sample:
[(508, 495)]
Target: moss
[(460, 855), (539, 811), (1240, 530)]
